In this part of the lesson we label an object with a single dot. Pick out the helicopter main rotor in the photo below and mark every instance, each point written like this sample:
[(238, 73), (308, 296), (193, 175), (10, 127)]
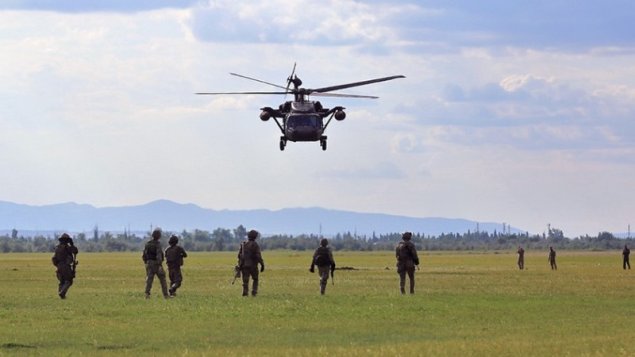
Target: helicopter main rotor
[(301, 92)]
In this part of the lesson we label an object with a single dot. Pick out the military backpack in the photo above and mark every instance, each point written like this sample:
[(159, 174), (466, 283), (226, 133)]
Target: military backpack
[(322, 257)]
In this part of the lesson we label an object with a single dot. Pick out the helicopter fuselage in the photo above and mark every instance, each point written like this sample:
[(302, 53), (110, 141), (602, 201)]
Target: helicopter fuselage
[(302, 120)]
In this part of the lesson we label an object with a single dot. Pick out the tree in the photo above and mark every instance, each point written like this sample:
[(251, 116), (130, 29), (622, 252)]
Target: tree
[(240, 233)]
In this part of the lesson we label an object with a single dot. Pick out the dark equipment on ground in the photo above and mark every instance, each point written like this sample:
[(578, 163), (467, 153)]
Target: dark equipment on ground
[(302, 119)]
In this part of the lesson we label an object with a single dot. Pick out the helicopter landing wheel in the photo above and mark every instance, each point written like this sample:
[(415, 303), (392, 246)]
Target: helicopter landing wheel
[(323, 144), (283, 143)]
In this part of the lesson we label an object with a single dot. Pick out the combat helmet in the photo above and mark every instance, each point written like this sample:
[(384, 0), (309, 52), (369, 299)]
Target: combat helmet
[(64, 238), (324, 242), (156, 233), (173, 240), (406, 236), (252, 235)]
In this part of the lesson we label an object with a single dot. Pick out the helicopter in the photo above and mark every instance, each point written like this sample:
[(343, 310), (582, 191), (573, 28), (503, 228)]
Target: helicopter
[(302, 119)]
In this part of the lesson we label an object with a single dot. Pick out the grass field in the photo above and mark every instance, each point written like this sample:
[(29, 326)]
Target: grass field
[(466, 304)]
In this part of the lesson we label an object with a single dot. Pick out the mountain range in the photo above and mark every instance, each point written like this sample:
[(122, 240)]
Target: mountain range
[(175, 217)]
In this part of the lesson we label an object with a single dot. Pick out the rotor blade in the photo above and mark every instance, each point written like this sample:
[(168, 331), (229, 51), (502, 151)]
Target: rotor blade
[(289, 79), (341, 95), (355, 84), (291, 76), (221, 93), (257, 80)]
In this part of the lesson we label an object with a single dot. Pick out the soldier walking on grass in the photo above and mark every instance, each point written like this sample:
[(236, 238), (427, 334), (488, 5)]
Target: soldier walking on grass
[(248, 259), (625, 253), (153, 259), (174, 255), (521, 258), (65, 261), (552, 259), (323, 258), (407, 258)]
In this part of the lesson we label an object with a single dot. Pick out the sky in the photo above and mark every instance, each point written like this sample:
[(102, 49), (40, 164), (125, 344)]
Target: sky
[(515, 112)]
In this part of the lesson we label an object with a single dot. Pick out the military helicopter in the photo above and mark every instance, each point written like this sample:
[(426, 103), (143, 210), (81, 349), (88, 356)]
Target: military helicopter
[(303, 119)]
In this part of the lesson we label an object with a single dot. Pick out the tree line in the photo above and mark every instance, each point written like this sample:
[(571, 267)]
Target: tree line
[(223, 239)]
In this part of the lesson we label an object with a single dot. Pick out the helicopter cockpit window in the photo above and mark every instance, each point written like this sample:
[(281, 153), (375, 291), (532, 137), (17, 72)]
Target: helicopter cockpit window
[(304, 120)]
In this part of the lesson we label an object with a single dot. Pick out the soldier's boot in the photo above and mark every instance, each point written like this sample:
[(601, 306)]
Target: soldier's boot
[(402, 286), (322, 288), (175, 286), (254, 288), (64, 289), (245, 290)]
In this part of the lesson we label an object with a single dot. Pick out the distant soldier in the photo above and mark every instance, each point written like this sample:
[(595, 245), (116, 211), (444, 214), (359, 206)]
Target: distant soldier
[(174, 255), (153, 259), (625, 253), (552, 259), (521, 258), (65, 260), (323, 258), (248, 259), (407, 258)]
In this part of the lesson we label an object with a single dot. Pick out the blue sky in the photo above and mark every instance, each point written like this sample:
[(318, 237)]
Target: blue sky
[(513, 112)]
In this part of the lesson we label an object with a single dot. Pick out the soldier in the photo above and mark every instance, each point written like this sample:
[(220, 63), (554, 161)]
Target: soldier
[(323, 258), (174, 255), (625, 253), (153, 259), (407, 258), (65, 261), (552, 259), (521, 258), (248, 259)]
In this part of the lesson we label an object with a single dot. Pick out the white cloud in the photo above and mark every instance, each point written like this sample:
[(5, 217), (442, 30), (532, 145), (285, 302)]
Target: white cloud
[(99, 108)]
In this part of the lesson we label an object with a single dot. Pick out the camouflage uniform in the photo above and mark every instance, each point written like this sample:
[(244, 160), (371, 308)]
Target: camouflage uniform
[(521, 258), (248, 259), (64, 261), (174, 255), (625, 253), (407, 258), (153, 259), (552, 259), (323, 258)]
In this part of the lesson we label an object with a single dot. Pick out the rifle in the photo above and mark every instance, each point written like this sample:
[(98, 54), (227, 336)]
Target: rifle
[(332, 274), (74, 265), (74, 254), (236, 273)]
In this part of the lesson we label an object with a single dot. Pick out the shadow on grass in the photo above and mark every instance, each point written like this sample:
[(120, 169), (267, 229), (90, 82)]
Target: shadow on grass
[(112, 347), (12, 346)]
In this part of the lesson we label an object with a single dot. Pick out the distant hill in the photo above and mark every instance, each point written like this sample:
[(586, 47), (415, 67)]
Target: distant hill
[(172, 216)]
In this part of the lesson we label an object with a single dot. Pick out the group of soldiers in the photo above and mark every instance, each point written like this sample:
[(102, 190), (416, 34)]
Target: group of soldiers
[(552, 258), (153, 257), (249, 258)]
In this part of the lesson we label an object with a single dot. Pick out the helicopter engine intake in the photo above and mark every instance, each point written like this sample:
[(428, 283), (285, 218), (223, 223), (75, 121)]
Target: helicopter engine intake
[(340, 115), (265, 115)]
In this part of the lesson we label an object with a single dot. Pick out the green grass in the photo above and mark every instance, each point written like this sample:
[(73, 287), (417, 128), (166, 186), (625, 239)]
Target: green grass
[(466, 304)]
